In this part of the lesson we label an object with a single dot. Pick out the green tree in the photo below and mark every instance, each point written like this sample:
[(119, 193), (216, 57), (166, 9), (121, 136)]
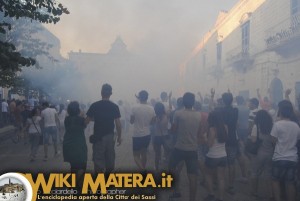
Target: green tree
[(17, 48)]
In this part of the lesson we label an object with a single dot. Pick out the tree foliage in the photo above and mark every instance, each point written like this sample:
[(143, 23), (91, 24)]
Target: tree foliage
[(17, 46)]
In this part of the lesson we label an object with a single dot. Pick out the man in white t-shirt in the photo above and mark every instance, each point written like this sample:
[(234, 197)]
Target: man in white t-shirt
[(50, 120), (141, 118)]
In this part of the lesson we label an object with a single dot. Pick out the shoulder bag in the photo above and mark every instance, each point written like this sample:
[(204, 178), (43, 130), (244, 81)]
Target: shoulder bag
[(41, 141)]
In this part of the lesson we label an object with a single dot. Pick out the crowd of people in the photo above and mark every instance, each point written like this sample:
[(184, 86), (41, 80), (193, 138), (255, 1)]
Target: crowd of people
[(205, 135)]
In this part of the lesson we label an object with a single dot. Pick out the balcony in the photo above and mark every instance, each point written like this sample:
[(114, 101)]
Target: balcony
[(239, 59), (284, 38)]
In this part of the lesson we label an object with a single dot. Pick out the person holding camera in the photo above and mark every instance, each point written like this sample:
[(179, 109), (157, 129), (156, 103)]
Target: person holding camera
[(105, 115)]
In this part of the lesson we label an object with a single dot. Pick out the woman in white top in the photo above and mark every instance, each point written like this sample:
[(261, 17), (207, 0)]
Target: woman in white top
[(34, 131), (285, 134), (216, 158), (160, 135)]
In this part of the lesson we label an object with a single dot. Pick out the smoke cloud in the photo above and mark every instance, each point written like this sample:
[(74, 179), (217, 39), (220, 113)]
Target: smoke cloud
[(160, 33)]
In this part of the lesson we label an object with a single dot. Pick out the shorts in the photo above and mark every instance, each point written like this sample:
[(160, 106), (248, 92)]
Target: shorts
[(215, 162), (232, 153), (284, 171), (50, 131), (139, 143), (189, 157)]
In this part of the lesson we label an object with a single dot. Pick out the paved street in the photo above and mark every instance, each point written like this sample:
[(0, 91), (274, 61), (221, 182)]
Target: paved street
[(15, 157)]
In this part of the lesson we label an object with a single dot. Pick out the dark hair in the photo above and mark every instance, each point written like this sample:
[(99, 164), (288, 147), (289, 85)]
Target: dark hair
[(240, 100), (188, 100), (143, 95), (159, 109), (106, 90), (45, 104), (73, 108), (286, 110), (33, 112), (254, 102), (179, 102), (215, 120), (227, 98), (264, 121)]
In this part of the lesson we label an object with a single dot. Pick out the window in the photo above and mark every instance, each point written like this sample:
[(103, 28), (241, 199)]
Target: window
[(219, 53), (295, 6), (245, 37)]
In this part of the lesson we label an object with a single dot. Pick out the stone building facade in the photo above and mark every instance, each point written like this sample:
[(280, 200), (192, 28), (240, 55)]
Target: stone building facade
[(254, 45)]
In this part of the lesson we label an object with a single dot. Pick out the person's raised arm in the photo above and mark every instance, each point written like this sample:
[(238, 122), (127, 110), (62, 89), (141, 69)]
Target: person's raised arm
[(211, 102), (200, 96)]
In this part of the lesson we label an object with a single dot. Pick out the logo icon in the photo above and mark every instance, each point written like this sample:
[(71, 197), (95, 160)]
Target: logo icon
[(14, 186)]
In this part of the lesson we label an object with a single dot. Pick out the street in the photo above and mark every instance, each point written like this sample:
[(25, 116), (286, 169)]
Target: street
[(15, 158)]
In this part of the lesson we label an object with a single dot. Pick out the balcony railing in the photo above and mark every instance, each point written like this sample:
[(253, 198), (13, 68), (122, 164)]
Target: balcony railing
[(239, 58), (284, 33)]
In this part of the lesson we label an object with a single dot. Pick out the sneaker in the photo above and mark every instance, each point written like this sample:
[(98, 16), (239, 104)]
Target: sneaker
[(242, 180), (209, 198)]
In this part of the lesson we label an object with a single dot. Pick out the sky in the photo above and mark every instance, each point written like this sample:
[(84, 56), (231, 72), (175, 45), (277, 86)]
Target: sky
[(155, 25), (6, 181), (164, 32)]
